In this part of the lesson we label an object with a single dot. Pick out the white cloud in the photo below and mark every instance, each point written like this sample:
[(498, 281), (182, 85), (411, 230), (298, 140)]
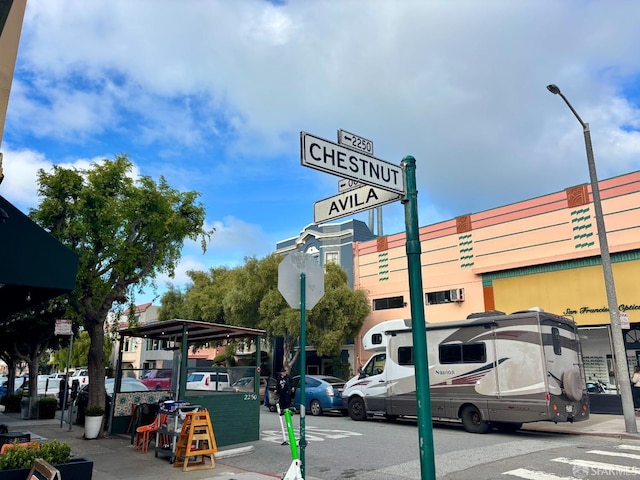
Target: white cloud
[(213, 95)]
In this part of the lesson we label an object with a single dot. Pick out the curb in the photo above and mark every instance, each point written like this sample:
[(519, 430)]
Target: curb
[(233, 452)]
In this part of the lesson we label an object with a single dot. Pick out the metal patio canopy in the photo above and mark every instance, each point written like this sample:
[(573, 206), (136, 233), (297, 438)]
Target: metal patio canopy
[(196, 331)]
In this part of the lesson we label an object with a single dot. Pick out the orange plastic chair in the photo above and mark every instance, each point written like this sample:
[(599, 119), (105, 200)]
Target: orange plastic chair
[(144, 432), (8, 446)]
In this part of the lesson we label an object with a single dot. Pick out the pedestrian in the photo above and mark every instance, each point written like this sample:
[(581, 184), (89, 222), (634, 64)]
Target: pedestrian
[(635, 387), (284, 387)]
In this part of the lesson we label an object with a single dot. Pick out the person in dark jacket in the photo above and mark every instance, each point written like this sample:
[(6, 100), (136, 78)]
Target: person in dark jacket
[(284, 387)]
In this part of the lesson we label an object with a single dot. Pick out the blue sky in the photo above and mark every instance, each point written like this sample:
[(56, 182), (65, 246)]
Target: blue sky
[(213, 95)]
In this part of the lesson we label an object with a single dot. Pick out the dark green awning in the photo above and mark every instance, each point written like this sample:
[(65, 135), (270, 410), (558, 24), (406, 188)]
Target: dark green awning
[(34, 266)]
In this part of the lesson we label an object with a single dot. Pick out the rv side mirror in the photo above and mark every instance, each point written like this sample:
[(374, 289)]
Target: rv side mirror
[(362, 374)]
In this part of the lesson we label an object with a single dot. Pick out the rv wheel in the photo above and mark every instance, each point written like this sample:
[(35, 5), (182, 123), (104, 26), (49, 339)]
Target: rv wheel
[(573, 384), (472, 420), (357, 409)]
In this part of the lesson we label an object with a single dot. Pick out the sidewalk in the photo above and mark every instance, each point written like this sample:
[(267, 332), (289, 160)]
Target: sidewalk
[(115, 459)]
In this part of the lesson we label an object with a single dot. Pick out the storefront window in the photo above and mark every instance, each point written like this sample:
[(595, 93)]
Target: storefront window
[(596, 355)]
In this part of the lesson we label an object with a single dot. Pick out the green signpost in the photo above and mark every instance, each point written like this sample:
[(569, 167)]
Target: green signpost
[(320, 154)]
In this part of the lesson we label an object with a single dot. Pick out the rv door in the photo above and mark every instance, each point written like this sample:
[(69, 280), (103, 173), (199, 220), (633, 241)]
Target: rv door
[(374, 383)]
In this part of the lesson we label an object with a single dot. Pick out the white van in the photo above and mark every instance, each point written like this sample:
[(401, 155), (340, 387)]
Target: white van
[(212, 381)]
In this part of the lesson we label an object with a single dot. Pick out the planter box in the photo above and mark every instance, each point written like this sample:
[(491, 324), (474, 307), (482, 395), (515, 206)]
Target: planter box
[(76, 469), (20, 437), (47, 409)]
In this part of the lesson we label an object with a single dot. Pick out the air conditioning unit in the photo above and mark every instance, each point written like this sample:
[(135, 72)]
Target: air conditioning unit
[(457, 295)]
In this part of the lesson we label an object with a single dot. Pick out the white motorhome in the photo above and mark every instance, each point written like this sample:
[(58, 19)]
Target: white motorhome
[(491, 370)]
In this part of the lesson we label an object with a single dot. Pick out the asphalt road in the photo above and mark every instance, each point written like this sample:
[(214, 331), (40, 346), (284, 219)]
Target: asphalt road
[(339, 448)]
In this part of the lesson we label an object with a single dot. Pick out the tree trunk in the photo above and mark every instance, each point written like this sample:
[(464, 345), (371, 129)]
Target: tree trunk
[(96, 365)]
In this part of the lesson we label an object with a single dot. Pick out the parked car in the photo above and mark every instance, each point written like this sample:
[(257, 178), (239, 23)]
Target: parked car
[(82, 400), (157, 379), (246, 384), (18, 384), (208, 381), (46, 387), (322, 393)]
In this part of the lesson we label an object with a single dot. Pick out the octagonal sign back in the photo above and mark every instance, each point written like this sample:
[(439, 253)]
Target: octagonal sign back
[(289, 272)]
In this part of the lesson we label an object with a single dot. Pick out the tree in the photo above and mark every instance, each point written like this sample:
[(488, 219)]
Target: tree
[(338, 316), (249, 297), (125, 233), (29, 334), (79, 352)]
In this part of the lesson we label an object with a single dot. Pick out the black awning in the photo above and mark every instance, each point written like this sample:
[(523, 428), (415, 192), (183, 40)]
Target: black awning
[(34, 266)]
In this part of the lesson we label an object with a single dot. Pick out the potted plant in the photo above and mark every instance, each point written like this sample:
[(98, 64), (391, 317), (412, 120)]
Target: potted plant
[(17, 461), (93, 421)]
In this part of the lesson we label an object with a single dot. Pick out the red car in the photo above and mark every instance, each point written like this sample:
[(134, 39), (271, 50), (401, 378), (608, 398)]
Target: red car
[(157, 379)]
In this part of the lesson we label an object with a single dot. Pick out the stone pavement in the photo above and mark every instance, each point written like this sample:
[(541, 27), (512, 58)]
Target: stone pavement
[(115, 459)]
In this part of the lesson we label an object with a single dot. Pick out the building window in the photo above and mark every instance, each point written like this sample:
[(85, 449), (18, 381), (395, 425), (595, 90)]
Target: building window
[(331, 257), (389, 302), (314, 252), (462, 353), (129, 345), (444, 296)]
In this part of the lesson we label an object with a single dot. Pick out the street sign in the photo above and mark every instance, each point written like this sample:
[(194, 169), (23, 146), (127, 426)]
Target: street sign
[(351, 202), (355, 141), (63, 327), (345, 185), (624, 321), (289, 286), (339, 160)]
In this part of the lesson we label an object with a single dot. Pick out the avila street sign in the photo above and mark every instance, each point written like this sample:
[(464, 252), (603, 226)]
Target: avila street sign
[(350, 202), (329, 157)]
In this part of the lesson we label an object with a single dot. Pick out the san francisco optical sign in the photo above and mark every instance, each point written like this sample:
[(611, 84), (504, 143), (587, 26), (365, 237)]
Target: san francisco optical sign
[(587, 310)]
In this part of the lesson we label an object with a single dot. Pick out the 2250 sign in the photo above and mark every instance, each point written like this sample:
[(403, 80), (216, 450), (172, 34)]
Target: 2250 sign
[(355, 141)]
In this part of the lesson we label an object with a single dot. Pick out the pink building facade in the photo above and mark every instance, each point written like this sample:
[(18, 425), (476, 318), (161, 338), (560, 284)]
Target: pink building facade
[(542, 252)]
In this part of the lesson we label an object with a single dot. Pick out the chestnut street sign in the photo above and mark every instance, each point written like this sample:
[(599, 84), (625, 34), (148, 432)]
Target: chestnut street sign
[(329, 157), (350, 202)]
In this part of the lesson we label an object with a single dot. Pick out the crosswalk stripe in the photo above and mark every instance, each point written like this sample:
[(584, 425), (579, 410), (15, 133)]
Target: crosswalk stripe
[(615, 454), (599, 466), (536, 475), (629, 447)]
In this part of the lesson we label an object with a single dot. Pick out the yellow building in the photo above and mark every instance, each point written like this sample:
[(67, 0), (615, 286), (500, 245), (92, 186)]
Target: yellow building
[(542, 252)]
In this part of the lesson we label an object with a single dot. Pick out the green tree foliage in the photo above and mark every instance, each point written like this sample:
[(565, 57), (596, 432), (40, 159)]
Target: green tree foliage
[(79, 352), (202, 301), (125, 233), (248, 296)]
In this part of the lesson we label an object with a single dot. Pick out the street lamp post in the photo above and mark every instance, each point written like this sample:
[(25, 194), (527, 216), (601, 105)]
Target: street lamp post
[(619, 351)]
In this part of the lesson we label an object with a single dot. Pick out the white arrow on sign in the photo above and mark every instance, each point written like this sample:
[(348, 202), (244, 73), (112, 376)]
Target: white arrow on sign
[(326, 156), (351, 202)]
